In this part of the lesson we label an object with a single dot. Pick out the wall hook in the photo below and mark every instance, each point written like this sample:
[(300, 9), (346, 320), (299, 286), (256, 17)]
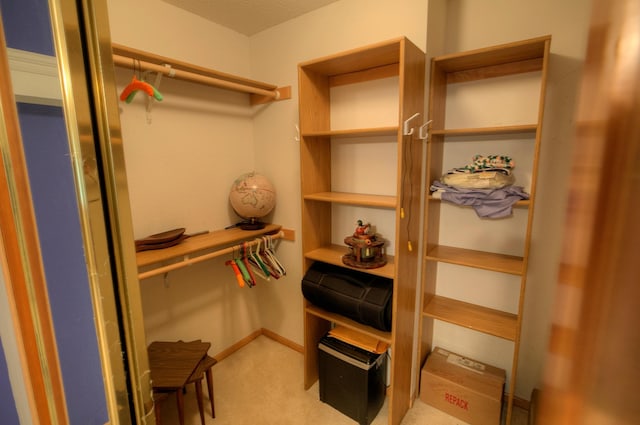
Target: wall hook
[(405, 130), (424, 130), (297, 136)]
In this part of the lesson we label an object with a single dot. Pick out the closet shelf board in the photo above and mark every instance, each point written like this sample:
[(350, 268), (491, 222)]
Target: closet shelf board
[(211, 240), (348, 323), (522, 204), (333, 255), (356, 60), (355, 132), (493, 322), (523, 56), (504, 263), (487, 131), (357, 199)]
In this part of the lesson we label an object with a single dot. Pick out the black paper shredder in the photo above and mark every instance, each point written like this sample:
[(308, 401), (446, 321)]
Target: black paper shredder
[(352, 380)]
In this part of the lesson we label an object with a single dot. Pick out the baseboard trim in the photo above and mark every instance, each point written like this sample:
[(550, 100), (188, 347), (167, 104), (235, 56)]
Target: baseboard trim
[(521, 402), (238, 345), (253, 335), (282, 340)]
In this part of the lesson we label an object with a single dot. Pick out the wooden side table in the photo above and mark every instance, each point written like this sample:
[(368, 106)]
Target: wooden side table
[(172, 363)]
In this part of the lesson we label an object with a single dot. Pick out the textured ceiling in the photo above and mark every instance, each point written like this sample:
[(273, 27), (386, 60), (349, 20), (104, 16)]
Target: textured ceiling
[(249, 16)]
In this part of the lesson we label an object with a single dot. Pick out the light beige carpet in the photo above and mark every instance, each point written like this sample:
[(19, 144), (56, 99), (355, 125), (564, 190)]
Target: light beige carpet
[(261, 384)]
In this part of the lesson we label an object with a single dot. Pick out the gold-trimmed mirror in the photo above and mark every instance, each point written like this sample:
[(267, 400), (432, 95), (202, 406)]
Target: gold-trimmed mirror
[(79, 78)]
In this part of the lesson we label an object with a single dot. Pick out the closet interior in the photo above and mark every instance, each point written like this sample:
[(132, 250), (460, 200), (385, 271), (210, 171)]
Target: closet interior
[(390, 73)]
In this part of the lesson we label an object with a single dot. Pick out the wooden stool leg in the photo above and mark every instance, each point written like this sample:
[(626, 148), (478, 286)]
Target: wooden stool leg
[(210, 389), (199, 398), (180, 399)]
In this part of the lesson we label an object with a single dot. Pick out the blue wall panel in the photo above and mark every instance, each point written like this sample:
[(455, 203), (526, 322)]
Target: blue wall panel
[(8, 413), (27, 25), (52, 186)]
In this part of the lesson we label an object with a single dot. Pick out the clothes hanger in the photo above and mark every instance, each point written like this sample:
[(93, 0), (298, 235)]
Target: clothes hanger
[(268, 262), (236, 271), (136, 85), (276, 267), (272, 255), (245, 261), (256, 262), (258, 259), (243, 270)]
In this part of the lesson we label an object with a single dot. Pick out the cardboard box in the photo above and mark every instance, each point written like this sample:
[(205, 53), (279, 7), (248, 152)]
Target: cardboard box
[(462, 387)]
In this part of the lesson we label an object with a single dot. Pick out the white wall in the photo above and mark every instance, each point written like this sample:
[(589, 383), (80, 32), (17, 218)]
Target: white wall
[(473, 24)]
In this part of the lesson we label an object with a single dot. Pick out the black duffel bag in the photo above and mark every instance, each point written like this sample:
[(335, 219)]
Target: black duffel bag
[(360, 296)]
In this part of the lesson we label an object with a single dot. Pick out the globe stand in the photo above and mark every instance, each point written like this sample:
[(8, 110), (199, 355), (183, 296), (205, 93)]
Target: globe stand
[(251, 224)]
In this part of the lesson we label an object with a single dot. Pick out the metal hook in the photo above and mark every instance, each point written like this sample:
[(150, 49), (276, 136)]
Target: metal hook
[(424, 132), (406, 131)]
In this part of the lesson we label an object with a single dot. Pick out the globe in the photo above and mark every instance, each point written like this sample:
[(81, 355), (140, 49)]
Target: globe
[(252, 197)]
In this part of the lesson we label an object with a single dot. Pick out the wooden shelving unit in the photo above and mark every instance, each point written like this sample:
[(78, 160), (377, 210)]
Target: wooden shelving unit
[(478, 66), (403, 64)]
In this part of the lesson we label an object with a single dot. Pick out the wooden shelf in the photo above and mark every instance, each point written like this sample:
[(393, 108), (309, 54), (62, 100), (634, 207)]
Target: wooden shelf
[(351, 324), (357, 60), (333, 255), (357, 132), (525, 203), (471, 316), (194, 244), (357, 199), (487, 131), (506, 59), (479, 259)]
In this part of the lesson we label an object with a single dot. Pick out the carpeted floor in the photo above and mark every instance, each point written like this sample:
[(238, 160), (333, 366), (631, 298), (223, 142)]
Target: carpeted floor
[(261, 384)]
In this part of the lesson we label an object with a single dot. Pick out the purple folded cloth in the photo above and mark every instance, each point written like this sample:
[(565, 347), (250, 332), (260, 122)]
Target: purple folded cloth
[(487, 203)]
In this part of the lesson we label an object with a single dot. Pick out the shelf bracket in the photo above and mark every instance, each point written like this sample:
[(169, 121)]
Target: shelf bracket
[(405, 129)]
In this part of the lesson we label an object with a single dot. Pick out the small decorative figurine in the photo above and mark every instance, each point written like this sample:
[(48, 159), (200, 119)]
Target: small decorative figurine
[(365, 249)]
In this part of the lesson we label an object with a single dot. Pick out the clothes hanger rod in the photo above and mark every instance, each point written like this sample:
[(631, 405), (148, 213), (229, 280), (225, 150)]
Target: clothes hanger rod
[(200, 258), (128, 62)]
